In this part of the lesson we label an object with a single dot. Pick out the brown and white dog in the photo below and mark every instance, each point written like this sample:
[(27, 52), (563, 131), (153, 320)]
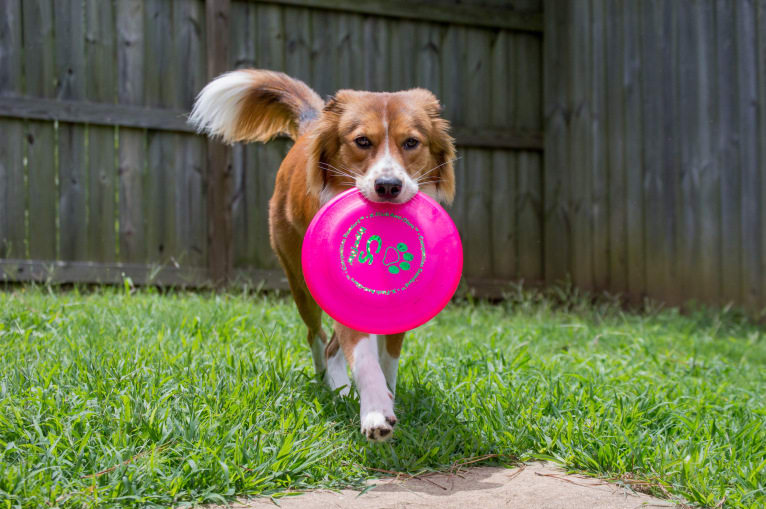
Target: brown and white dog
[(388, 145)]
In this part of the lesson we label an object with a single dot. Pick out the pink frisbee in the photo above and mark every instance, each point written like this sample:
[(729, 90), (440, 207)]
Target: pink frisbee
[(382, 268)]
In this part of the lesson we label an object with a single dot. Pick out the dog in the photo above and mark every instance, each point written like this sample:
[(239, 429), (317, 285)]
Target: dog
[(387, 145)]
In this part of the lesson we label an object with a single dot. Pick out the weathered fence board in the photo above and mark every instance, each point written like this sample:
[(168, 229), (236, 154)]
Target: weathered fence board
[(131, 151), (614, 119), (189, 26), (69, 32), (760, 69), (634, 151), (558, 227), (502, 214), (745, 24), (218, 171), (727, 153), (529, 195), (100, 87), (40, 138), (12, 168)]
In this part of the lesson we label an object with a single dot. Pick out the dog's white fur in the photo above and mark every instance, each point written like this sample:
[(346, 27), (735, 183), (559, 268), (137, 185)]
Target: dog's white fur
[(336, 376), (375, 400), (217, 108)]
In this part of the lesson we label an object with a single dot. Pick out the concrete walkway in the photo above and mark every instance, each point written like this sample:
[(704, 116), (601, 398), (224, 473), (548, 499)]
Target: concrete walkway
[(533, 486)]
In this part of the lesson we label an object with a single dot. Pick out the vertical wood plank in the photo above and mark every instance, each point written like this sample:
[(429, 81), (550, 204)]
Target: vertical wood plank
[(557, 212), (599, 141), (189, 62), (271, 55), (349, 47), (298, 44), (651, 83), (688, 92), (670, 154), (529, 205), (159, 92), (503, 83), (750, 206), (614, 119), (376, 53), (101, 87), (708, 197), (132, 147), (580, 150), (634, 165), (245, 206), (761, 72), (322, 65), (70, 78), (528, 108), (40, 137), (428, 51), (12, 190), (402, 48), (478, 254), (698, 256), (453, 92), (219, 182), (727, 151)]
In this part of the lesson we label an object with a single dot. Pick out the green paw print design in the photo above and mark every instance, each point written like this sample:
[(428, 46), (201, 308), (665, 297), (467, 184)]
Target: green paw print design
[(398, 258)]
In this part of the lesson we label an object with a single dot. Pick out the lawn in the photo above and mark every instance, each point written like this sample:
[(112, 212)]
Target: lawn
[(115, 398)]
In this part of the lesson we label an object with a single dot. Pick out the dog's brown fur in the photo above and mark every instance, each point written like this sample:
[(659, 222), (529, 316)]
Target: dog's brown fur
[(325, 160)]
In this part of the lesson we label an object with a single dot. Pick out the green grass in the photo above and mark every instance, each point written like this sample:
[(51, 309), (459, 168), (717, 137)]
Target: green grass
[(112, 399)]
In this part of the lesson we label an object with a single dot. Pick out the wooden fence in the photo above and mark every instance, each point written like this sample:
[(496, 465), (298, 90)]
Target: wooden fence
[(100, 176), (655, 125), (655, 170)]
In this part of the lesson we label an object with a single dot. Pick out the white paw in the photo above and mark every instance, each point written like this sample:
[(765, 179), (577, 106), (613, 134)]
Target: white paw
[(378, 427)]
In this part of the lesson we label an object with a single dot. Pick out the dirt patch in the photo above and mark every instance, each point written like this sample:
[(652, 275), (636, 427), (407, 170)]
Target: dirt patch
[(536, 485)]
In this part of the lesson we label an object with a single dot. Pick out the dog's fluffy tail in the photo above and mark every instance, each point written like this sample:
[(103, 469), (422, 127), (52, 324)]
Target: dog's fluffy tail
[(255, 105)]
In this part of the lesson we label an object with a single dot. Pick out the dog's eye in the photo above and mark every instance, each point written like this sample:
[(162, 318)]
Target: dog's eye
[(410, 143), (363, 142)]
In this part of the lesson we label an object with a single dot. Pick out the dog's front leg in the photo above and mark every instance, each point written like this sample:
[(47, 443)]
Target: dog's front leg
[(375, 400)]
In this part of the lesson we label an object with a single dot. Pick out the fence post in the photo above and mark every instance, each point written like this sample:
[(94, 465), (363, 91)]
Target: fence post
[(219, 181)]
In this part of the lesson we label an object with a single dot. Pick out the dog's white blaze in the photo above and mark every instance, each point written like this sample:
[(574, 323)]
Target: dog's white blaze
[(376, 402), (217, 105), (389, 364), (336, 375), (387, 166)]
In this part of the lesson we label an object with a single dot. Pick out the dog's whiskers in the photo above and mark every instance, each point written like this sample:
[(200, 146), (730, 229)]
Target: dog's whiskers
[(420, 177), (417, 173), (337, 171), (426, 182)]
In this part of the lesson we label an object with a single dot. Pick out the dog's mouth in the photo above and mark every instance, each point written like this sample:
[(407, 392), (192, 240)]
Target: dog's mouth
[(401, 198)]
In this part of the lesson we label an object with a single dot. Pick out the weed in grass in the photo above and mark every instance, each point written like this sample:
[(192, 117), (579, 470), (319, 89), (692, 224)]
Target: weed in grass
[(137, 398)]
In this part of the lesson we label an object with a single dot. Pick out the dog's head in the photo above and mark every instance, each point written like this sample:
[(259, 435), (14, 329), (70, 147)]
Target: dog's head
[(388, 145)]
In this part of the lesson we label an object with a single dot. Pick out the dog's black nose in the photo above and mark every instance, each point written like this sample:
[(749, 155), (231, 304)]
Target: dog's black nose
[(388, 187)]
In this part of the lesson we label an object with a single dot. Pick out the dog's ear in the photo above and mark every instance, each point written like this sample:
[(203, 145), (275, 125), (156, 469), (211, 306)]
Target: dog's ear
[(443, 150), (442, 144), (324, 142)]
